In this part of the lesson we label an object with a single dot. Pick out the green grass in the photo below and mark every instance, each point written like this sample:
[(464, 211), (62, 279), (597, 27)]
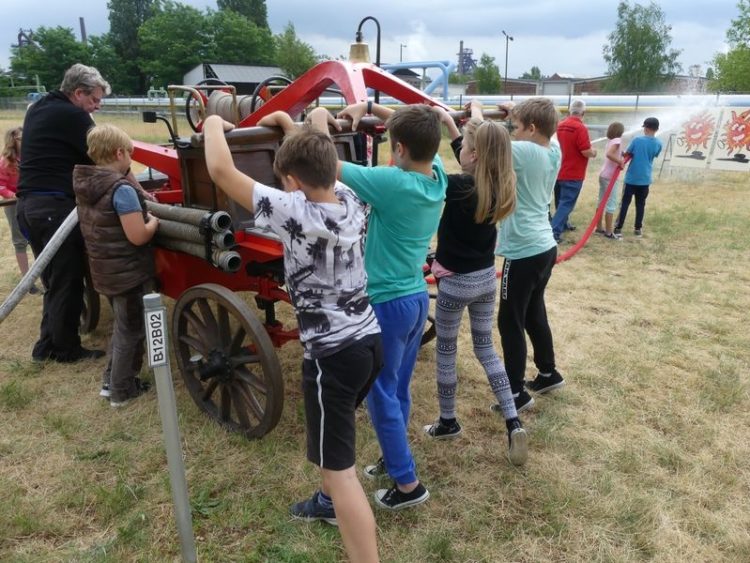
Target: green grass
[(641, 457)]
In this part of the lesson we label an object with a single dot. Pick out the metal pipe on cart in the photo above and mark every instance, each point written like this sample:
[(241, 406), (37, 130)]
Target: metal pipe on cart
[(158, 359), (216, 220), (41, 262), (226, 260), (185, 231)]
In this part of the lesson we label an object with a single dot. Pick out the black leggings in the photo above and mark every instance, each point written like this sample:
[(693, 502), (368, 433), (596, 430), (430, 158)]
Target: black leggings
[(522, 310)]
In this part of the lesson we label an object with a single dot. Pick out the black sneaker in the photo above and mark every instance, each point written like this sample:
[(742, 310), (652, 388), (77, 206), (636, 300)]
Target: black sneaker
[(617, 231), (523, 402), (518, 442), (310, 510), (442, 431), (393, 499), (570, 227), (544, 383), (376, 470), (638, 232), (613, 236), (78, 355), (141, 387)]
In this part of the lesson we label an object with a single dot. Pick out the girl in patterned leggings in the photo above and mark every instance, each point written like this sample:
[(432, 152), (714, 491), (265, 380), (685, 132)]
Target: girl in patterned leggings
[(465, 269)]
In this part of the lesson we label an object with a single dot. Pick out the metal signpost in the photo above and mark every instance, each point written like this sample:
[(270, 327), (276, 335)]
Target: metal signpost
[(155, 315)]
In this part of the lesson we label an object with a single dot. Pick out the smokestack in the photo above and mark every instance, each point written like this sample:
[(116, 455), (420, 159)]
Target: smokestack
[(82, 23)]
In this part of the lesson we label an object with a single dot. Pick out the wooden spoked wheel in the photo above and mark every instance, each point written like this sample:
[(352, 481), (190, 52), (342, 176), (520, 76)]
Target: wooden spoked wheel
[(91, 306), (430, 332), (227, 360)]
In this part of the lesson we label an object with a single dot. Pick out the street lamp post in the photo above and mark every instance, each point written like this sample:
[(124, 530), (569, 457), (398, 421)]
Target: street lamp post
[(507, 38), (401, 52), (358, 39)]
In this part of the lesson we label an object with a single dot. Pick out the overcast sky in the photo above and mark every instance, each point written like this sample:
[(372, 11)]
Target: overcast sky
[(557, 36)]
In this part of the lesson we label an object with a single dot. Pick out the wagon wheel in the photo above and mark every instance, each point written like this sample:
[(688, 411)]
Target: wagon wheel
[(227, 360), (91, 307), (429, 327)]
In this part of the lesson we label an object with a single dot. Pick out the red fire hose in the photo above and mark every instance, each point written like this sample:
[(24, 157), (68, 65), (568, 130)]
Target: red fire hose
[(586, 235), (572, 251)]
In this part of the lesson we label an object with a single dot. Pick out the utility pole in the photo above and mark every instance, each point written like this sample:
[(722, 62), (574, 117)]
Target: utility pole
[(507, 38)]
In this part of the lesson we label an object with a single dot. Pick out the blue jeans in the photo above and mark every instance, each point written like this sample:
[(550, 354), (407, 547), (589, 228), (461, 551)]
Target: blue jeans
[(569, 191), (389, 401)]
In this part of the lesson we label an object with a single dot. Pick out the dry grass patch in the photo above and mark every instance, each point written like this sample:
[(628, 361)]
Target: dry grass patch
[(641, 457)]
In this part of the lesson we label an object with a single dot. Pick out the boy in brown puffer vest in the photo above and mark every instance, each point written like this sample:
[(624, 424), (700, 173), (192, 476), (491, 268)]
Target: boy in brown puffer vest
[(116, 228)]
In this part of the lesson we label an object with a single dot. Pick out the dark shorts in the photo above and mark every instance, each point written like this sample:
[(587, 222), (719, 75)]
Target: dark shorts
[(333, 388)]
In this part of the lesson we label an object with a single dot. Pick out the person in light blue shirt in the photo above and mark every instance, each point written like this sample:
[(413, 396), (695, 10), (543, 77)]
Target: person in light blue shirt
[(526, 242), (642, 152)]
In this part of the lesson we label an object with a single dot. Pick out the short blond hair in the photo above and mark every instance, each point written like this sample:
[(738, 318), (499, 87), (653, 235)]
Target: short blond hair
[(103, 142), (540, 112)]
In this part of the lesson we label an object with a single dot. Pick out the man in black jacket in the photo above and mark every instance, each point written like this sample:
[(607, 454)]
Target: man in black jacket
[(54, 141)]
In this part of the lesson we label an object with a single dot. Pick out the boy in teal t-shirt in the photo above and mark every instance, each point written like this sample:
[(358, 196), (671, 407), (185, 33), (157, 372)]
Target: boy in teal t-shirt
[(406, 201), (526, 242)]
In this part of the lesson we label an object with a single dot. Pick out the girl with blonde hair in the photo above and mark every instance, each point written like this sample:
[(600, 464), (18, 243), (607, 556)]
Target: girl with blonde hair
[(464, 265)]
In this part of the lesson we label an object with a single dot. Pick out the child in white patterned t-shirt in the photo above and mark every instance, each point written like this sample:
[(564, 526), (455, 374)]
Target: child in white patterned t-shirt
[(321, 223)]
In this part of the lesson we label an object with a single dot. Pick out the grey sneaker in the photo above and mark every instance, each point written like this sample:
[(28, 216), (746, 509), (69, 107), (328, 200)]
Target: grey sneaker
[(518, 443), (638, 232), (310, 510), (376, 470)]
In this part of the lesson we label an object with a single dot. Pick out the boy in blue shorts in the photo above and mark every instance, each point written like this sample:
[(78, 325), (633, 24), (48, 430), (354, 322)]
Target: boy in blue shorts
[(406, 201), (642, 151), (320, 222)]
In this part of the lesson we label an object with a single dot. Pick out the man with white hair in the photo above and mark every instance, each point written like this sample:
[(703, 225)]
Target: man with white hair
[(54, 141), (576, 148)]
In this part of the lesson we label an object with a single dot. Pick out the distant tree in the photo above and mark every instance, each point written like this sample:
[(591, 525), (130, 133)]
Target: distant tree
[(709, 74), (237, 40), (172, 42), (739, 30), (293, 56), (639, 54), (57, 50), (455, 78), (125, 19), (105, 58), (533, 74), (254, 10), (487, 75), (732, 69)]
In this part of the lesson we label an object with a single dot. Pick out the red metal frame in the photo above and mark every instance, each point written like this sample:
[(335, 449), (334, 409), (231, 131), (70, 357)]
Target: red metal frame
[(176, 271)]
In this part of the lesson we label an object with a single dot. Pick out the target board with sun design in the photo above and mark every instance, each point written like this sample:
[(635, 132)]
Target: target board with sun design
[(732, 151), (695, 137)]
